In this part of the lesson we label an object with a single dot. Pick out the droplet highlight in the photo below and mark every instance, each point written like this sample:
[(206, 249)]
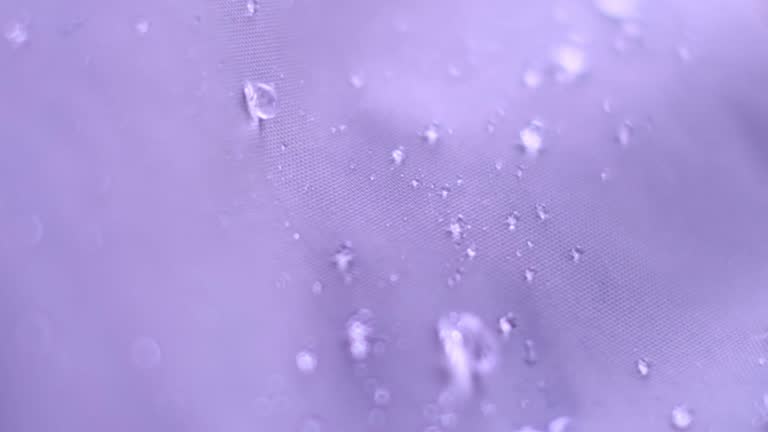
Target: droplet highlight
[(261, 100)]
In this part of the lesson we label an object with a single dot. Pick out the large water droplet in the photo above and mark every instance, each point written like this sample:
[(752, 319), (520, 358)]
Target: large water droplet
[(531, 138), (306, 361), (617, 9), (681, 417), (359, 329), (146, 353), (470, 350), (16, 33), (261, 100)]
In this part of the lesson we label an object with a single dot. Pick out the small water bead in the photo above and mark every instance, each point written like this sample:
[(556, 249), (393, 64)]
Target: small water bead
[(576, 253), (529, 274), (344, 257), (146, 353), (471, 252), (571, 63), (398, 155), (529, 352), (617, 9), (359, 328), (560, 424), (512, 221), (532, 79), (643, 367), (531, 138), (682, 418), (311, 424), (469, 350), (456, 229), (306, 361), (16, 33), (381, 396), (251, 7), (507, 323), (142, 27), (431, 135), (317, 288), (356, 80), (261, 100), (542, 212), (624, 133)]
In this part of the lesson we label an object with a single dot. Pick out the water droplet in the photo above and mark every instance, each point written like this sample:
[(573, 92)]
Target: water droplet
[(643, 367), (142, 27), (512, 221), (456, 229), (356, 80), (454, 71), (571, 62), (507, 323), (343, 257), (469, 350), (317, 288), (471, 252), (398, 155), (251, 7), (624, 133), (381, 396), (681, 417), (617, 9), (542, 212), (261, 100), (444, 191), (415, 183), (530, 355), (576, 254), (359, 328), (311, 424), (531, 138), (431, 135), (559, 424), (684, 53), (529, 275), (306, 361), (532, 78), (16, 33), (146, 353)]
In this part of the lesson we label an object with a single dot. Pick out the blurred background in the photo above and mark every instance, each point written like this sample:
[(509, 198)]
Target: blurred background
[(412, 215)]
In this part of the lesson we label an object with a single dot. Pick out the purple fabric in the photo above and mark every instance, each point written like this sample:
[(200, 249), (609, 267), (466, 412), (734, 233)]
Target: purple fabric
[(164, 260)]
